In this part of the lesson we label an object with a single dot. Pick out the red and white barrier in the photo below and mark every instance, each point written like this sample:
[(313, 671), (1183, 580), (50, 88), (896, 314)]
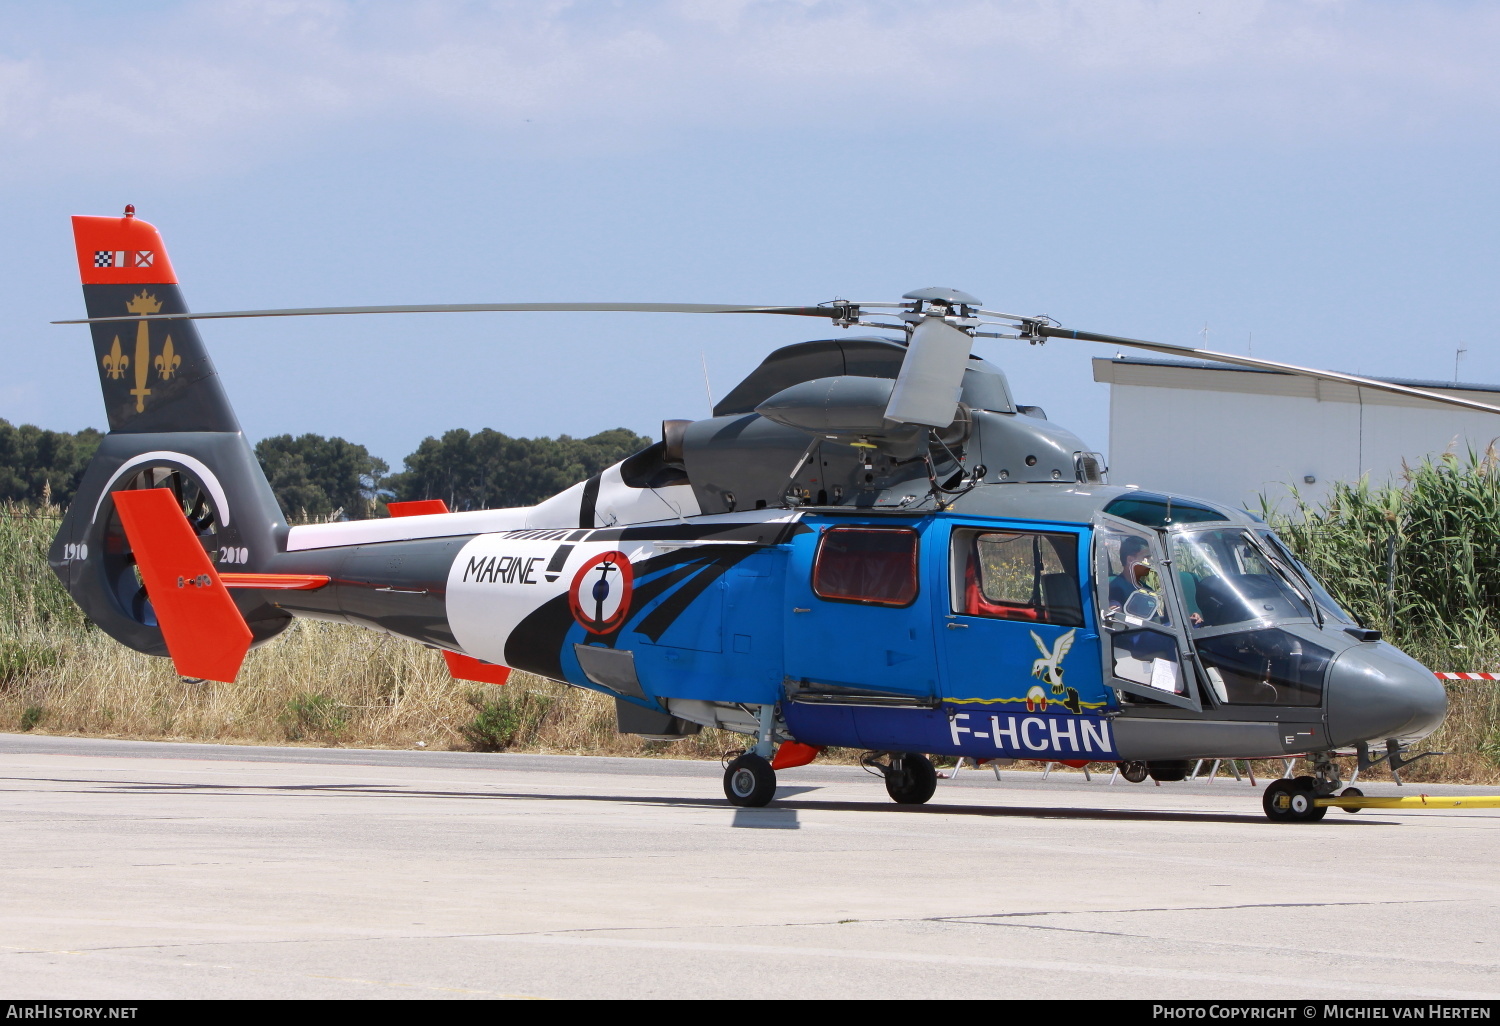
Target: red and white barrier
[(1468, 676)]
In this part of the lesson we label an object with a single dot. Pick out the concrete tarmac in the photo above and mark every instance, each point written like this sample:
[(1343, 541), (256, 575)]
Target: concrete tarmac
[(138, 870)]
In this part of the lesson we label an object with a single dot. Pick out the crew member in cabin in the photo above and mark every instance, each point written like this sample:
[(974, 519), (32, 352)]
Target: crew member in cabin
[(1135, 574)]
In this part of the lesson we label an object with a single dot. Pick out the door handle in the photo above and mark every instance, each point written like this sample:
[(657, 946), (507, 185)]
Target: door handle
[(797, 609), (957, 626)]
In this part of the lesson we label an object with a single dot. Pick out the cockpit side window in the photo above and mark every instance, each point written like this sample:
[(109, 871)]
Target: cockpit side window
[(1016, 575), (1129, 583), (1135, 613)]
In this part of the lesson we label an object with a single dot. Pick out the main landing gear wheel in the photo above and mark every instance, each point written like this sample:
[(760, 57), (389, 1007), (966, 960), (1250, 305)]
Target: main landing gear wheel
[(911, 779), (749, 781), (1291, 801), (1135, 772)]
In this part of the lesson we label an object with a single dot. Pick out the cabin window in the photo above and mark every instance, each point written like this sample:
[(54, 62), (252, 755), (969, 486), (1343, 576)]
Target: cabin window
[(877, 565), (1017, 575)]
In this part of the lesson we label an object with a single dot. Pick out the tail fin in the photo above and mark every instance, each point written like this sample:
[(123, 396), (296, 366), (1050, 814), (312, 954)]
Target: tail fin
[(205, 632), (170, 426), (156, 376)]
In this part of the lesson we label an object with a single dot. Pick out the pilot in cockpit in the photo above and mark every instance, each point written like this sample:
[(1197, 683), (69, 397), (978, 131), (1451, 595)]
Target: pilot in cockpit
[(1137, 574), (1135, 571)]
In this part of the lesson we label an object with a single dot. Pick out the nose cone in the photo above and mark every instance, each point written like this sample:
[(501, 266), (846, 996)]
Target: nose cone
[(1376, 691)]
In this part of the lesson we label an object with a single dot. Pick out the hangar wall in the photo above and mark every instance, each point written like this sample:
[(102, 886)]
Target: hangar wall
[(1230, 434)]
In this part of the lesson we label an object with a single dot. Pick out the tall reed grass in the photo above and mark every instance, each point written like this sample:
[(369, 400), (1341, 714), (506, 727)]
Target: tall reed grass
[(1418, 558)]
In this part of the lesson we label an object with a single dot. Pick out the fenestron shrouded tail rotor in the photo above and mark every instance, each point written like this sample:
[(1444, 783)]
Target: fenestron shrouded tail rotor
[(940, 323)]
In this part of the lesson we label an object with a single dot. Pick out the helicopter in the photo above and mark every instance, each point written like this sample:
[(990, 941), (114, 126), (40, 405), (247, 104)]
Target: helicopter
[(869, 544)]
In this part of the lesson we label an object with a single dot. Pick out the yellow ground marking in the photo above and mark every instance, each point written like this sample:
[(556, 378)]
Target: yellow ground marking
[(1421, 801)]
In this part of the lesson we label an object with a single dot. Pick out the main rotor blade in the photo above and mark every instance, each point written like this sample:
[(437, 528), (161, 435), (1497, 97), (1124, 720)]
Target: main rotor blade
[(932, 374), (833, 311), (1272, 365)]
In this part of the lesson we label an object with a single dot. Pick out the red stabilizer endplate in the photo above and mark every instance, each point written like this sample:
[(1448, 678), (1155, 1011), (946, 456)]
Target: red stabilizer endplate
[(468, 668), (417, 507), (794, 753), (121, 251), (206, 635)]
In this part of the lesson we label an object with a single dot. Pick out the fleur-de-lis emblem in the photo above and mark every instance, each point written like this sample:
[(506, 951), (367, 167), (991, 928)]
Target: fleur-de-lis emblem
[(167, 361), (115, 361)]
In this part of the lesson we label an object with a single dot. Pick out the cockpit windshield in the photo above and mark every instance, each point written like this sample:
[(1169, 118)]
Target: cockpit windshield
[(1320, 594), (1227, 579)]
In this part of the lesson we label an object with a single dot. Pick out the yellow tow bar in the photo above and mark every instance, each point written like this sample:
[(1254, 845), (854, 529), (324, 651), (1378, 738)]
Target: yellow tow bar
[(1421, 801)]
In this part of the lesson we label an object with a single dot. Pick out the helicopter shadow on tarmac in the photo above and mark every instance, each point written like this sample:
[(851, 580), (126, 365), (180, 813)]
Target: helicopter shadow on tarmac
[(782, 814)]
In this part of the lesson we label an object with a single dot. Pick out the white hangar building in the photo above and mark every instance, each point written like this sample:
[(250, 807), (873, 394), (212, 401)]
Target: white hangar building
[(1231, 434)]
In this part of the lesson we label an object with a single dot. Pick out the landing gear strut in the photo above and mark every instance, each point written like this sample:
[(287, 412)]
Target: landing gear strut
[(910, 779), (749, 780)]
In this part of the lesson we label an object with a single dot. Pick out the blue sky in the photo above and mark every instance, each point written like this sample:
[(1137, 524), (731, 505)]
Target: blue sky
[(1319, 175)]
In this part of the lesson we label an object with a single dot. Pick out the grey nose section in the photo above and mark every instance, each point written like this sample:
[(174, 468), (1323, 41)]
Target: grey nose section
[(1376, 691)]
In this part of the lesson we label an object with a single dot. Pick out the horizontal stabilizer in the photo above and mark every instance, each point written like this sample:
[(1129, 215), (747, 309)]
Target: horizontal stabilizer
[(416, 507), (276, 582), (468, 668), (204, 631)]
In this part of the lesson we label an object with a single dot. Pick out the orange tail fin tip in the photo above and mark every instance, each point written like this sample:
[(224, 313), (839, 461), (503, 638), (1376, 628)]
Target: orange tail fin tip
[(121, 251), (206, 635)]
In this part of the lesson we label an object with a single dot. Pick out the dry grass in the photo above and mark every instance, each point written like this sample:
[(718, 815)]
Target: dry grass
[(318, 684)]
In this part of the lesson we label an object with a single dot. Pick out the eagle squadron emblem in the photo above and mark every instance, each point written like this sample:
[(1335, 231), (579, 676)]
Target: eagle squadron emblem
[(1048, 669)]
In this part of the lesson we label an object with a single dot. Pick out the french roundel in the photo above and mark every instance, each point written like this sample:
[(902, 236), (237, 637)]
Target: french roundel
[(600, 593)]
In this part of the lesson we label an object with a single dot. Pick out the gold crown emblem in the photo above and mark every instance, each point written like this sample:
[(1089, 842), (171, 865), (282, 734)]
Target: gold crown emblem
[(144, 304)]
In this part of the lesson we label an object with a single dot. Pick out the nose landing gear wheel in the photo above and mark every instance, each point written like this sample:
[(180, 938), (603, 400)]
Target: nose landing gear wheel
[(911, 779), (1291, 801), (749, 781)]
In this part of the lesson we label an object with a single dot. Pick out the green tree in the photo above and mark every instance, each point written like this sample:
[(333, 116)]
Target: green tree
[(490, 470), (316, 476), (35, 463)]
